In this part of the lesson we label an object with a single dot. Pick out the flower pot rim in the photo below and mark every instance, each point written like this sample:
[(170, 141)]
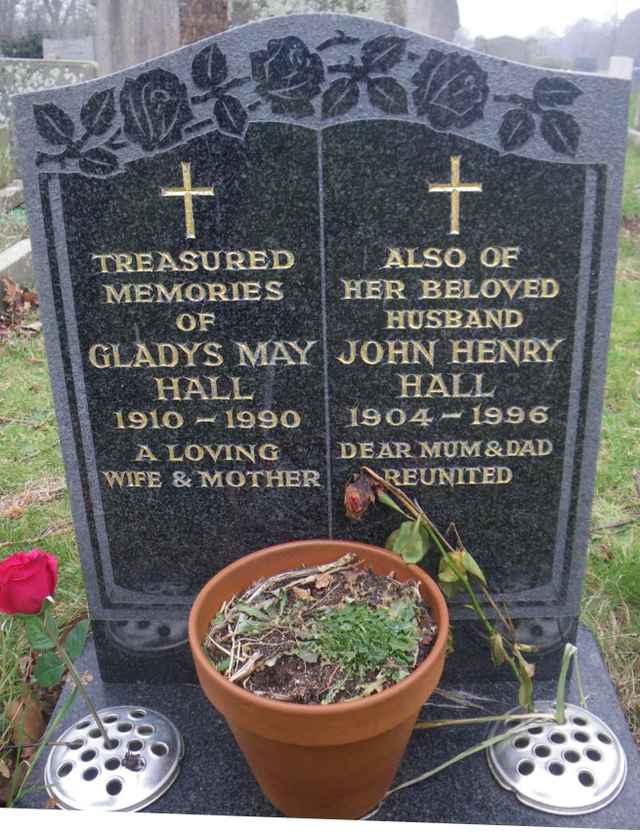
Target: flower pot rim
[(436, 602)]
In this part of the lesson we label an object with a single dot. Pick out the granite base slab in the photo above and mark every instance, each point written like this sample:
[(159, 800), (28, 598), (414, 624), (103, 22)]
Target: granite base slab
[(215, 779)]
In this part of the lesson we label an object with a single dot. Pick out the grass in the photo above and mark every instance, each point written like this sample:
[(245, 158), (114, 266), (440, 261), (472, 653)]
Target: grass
[(6, 164), (32, 503), (633, 109), (611, 599), (30, 462), (13, 227)]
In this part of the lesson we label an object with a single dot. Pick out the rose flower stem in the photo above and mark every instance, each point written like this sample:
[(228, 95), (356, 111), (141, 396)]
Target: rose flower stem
[(76, 679)]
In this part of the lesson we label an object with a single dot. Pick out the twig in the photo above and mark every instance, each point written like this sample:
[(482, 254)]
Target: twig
[(478, 720), (63, 527), (37, 745), (617, 525), (40, 451), (342, 562), (246, 668)]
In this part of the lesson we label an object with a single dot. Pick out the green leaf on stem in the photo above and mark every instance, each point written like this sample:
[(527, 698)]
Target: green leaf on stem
[(526, 671), (410, 540), (450, 641), (74, 642), (498, 653), (386, 500), (48, 670), (448, 581), (38, 639), (472, 567)]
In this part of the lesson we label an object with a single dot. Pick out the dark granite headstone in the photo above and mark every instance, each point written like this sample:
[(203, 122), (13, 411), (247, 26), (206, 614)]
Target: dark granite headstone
[(307, 244)]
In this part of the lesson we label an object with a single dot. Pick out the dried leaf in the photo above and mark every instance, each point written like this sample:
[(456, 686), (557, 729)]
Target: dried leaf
[(43, 491), (24, 666), (302, 594), (5, 787), (4, 770), (351, 577), (323, 581), (10, 291), (377, 686), (31, 298), (25, 715)]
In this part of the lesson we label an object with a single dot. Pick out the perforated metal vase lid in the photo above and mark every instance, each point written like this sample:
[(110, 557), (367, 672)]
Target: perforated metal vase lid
[(140, 762), (571, 768)]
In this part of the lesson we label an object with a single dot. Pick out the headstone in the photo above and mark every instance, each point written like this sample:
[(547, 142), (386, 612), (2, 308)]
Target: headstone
[(68, 49), (627, 36), (248, 11), (620, 66), (439, 18), (21, 75), (513, 49), (131, 31), (201, 18), (311, 244)]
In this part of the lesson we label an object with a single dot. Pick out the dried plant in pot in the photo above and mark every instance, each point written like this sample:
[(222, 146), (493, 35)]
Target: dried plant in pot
[(319, 760)]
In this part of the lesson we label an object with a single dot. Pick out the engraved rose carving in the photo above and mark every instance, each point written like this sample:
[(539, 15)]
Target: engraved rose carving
[(558, 128), (155, 106), (451, 90), (288, 75)]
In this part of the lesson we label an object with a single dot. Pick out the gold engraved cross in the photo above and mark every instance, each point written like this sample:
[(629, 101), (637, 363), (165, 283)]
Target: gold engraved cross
[(187, 193), (455, 188)]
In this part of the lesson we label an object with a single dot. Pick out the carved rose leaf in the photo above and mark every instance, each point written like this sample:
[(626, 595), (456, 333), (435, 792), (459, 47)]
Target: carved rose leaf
[(98, 112), (341, 96), (383, 53), (53, 124), (155, 106), (387, 94), (555, 92), (451, 90), (561, 131), (209, 68), (231, 115), (516, 129), (288, 75), (98, 162)]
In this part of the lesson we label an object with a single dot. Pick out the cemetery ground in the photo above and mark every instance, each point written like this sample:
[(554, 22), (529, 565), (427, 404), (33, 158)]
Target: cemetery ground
[(34, 505)]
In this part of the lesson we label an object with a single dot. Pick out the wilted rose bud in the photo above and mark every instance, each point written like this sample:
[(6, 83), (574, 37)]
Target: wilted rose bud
[(358, 495)]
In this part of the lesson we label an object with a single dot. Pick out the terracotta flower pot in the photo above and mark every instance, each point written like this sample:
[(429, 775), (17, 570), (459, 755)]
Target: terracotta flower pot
[(321, 761)]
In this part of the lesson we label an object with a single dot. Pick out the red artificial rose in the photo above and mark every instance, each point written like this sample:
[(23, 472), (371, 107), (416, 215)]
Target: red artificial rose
[(26, 579)]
